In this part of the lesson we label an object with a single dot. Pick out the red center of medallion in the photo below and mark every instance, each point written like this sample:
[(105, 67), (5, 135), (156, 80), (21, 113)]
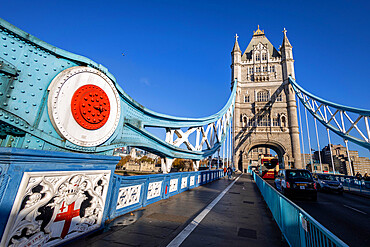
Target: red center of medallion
[(90, 107)]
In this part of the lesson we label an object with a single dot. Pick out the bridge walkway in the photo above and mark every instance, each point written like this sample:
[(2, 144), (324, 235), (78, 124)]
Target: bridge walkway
[(240, 217)]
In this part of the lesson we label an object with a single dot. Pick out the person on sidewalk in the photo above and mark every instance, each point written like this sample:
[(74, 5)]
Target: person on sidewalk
[(229, 172), (224, 171)]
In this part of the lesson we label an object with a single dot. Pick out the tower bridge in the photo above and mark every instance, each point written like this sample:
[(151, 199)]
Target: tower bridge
[(62, 115)]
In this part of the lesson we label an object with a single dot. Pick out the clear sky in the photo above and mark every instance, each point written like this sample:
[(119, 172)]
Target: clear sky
[(177, 53)]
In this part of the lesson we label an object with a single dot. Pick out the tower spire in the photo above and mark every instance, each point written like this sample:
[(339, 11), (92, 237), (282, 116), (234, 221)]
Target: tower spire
[(236, 45), (286, 42)]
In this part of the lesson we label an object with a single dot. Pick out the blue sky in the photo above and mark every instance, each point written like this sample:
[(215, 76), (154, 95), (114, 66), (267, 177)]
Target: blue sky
[(177, 53)]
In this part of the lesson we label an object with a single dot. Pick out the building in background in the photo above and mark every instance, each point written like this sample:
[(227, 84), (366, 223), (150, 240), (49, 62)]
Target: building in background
[(340, 161)]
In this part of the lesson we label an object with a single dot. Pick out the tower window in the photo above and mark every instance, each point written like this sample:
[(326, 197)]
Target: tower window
[(258, 57), (264, 121), (245, 121), (272, 68), (265, 69), (279, 98), (246, 99), (276, 121), (258, 69), (250, 70), (263, 96), (264, 56)]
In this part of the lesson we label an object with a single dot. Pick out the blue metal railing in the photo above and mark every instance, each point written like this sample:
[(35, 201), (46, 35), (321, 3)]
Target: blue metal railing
[(297, 226), (131, 193)]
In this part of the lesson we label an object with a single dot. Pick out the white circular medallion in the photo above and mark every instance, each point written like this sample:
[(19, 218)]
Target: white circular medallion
[(84, 106)]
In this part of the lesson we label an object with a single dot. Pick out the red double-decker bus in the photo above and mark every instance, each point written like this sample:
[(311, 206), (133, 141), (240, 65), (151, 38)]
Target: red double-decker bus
[(268, 166)]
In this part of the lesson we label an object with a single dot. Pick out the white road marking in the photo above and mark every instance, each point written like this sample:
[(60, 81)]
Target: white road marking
[(194, 223), (354, 209)]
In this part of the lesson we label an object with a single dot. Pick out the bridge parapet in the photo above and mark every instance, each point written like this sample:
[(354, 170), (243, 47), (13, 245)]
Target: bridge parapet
[(49, 198)]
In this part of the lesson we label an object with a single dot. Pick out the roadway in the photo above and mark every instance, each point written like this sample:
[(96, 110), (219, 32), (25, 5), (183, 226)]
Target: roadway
[(347, 216)]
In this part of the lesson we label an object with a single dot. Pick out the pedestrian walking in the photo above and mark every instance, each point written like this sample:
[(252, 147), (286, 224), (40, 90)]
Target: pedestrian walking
[(229, 172)]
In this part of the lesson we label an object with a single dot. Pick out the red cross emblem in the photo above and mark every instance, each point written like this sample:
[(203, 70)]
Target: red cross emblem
[(67, 217)]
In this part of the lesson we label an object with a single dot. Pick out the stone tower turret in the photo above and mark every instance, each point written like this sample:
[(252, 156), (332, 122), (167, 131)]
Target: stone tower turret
[(288, 70), (236, 56)]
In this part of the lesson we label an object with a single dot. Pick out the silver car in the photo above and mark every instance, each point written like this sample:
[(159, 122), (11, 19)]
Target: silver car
[(327, 182)]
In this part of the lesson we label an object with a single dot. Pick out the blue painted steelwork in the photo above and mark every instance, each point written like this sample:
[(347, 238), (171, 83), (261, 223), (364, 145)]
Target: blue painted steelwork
[(326, 112), (297, 226), (125, 183), (27, 67)]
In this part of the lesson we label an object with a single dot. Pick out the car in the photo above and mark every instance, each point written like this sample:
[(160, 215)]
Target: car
[(296, 183), (327, 182)]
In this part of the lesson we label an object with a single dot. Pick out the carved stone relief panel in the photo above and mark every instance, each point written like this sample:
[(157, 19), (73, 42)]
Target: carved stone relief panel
[(173, 184), (154, 189), (128, 196), (192, 181), (184, 182), (53, 207)]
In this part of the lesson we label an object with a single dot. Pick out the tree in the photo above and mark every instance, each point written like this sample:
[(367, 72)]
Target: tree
[(180, 164), (124, 160)]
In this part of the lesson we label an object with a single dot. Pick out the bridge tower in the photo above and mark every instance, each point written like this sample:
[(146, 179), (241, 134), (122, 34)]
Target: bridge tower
[(265, 107)]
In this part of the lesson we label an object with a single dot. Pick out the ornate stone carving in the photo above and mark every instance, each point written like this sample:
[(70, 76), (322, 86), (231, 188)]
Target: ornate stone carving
[(184, 182), (53, 207), (128, 196), (154, 189), (192, 181), (174, 184)]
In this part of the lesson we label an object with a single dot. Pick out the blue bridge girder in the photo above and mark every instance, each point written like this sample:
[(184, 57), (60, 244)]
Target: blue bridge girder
[(30, 70), (350, 123)]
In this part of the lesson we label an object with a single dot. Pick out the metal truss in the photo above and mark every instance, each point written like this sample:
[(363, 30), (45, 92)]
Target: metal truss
[(347, 122), (211, 135), (31, 71)]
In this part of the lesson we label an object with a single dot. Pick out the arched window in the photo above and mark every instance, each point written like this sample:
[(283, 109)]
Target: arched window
[(263, 96), (246, 98), (279, 98), (264, 57), (272, 68), (283, 121), (258, 58), (263, 121), (245, 121)]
